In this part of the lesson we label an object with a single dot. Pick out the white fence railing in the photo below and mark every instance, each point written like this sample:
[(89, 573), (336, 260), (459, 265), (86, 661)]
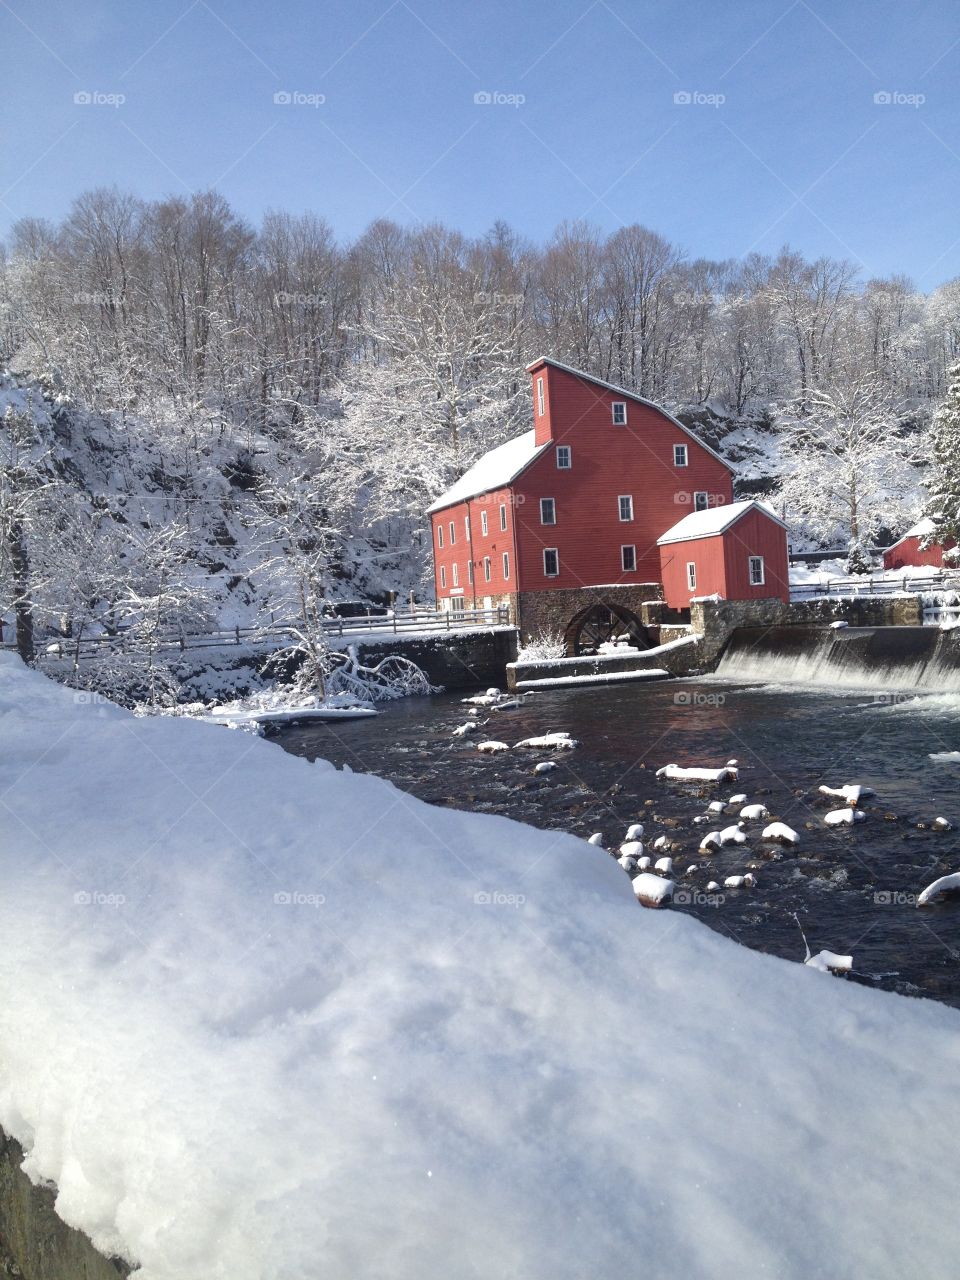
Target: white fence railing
[(907, 584), (399, 623)]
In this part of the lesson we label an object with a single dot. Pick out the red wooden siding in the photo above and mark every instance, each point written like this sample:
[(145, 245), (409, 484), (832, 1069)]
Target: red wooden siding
[(493, 545), (723, 563), (608, 460)]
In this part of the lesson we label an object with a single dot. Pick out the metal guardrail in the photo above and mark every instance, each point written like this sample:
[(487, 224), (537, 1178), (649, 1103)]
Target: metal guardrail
[(402, 622), (844, 587)]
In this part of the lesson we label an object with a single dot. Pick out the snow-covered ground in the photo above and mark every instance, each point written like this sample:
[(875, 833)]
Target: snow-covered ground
[(264, 1020)]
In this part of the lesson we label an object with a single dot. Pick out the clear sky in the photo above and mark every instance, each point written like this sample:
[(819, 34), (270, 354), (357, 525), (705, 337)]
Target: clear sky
[(781, 140)]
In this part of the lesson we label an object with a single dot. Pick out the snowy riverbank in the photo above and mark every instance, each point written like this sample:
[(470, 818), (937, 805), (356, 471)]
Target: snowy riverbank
[(266, 1020)]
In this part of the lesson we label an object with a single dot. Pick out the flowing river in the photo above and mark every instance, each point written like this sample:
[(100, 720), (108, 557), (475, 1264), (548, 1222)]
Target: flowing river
[(852, 889)]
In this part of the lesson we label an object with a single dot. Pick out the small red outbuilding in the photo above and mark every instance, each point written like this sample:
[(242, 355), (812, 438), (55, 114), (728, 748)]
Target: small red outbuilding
[(906, 552), (735, 552)]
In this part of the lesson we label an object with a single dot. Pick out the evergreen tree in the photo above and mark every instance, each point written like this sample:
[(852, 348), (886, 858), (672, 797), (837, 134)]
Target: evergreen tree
[(944, 505)]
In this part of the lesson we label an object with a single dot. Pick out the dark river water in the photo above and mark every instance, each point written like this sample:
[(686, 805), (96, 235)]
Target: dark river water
[(851, 889)]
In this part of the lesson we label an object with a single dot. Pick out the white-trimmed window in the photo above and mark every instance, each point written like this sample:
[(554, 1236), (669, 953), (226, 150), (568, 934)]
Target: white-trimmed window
[(628, 558), (483, 523), (486, 569), (458, 605), (439, 535), (506, 567), (540, 397), (551, 562), (548, 511), (456, 575), (443, 576), (453, 533), (701, 500), (619, 410), (503, 517), (470, 572), (625, 507), (680, 457), (691, 575), (466, 527), (564, 457), (756, 571)]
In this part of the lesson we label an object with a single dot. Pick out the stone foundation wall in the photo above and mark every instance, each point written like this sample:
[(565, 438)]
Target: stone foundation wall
[(550, 612)]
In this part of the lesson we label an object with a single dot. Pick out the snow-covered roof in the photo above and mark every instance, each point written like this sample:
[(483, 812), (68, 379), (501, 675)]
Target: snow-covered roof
[(628, 395), (919, 530), (492, 471), (704, 524)]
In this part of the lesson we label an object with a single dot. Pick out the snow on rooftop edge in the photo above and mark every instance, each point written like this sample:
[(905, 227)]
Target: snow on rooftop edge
[(494, 469), (919, 530), (265, 1020), (712, 520)]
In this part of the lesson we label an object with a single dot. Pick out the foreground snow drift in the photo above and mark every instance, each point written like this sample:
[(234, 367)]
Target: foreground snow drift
[(267, 1021)]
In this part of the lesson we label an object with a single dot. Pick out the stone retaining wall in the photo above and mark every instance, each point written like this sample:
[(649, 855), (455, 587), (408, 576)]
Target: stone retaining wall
[(34, 1243), (716, 620)]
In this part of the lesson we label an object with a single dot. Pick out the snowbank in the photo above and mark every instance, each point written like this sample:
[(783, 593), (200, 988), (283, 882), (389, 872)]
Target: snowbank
[(263, 1020)]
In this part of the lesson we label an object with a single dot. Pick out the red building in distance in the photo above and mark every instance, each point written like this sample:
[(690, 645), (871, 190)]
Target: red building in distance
[(907, 552)]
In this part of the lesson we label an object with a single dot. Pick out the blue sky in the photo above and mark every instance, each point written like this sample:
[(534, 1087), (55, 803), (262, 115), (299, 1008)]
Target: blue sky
[(781, 142)]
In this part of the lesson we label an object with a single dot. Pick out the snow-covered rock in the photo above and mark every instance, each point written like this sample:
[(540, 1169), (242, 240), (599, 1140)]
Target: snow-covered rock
[(738, 799), (754, 812), (652, 890), (665, 865), (733, 835), (463, 729), (717, 806), (550, 742), (710, 841), (853, 793), (740, 882), (492, 747), (631, 848), (945, 884), (545, 766), (780, 831), (942, 824), (634, 831), (830, 962), (675, 773), (843, 817)]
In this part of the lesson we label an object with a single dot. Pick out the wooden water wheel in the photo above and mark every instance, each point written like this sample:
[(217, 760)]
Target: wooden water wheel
[(602, 623)]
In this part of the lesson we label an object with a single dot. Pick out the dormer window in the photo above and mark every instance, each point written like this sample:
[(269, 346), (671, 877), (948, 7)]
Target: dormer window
[(619, 413)]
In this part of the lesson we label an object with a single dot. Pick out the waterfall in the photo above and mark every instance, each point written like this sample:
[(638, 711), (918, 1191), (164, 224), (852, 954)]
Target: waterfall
[(925, 659)]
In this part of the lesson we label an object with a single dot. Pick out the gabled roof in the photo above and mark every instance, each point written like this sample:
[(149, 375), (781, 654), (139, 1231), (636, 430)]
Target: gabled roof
[(628, 395), (495, 469), (714, 520), (919, 530)]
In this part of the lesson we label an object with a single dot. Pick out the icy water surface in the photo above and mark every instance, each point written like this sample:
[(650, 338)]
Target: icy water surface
[(851, 889)]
